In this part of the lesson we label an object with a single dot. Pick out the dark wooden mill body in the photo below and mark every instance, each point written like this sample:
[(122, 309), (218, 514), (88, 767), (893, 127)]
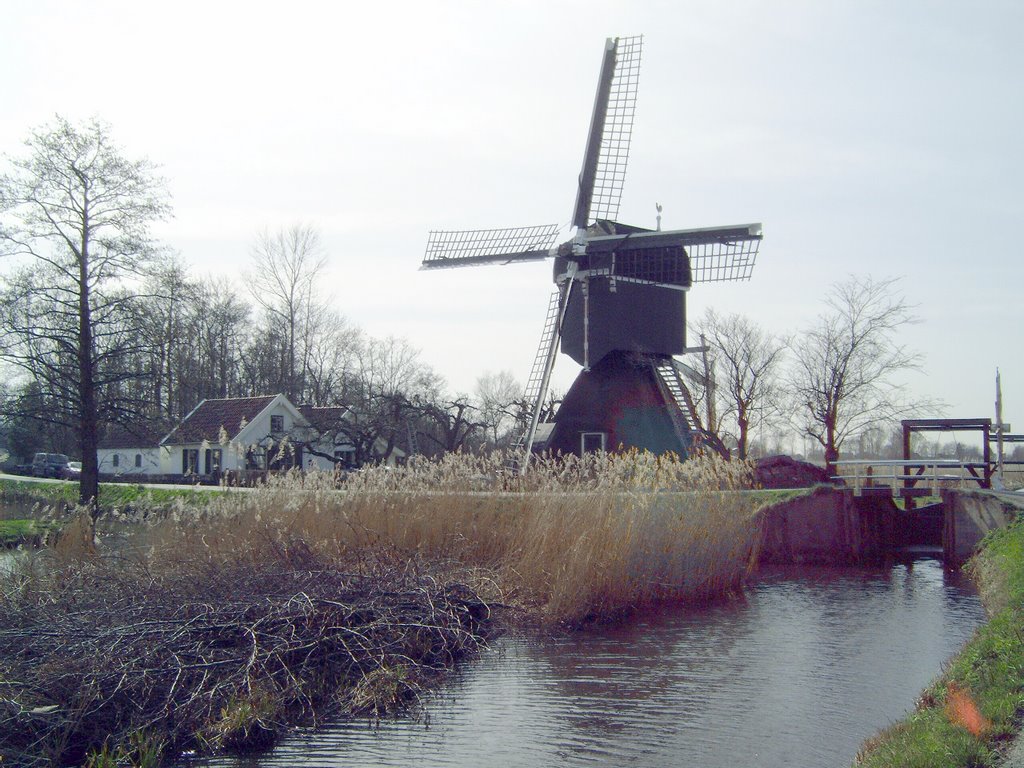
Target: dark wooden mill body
[(619, 308)]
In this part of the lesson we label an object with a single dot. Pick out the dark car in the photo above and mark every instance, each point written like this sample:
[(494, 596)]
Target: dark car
[(49, 465)]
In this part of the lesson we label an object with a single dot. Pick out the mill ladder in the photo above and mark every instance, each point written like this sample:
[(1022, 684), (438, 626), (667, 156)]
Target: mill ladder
[(674, 391), (540, 376)]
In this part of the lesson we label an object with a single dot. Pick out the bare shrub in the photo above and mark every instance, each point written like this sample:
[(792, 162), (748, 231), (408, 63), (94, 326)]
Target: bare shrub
[(100, 651)]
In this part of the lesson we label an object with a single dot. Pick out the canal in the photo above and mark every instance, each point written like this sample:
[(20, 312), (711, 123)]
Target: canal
[(798, 672)]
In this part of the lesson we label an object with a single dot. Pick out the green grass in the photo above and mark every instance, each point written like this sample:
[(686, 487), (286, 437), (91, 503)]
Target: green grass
[(112, 495), (15, 532), (768, 496), (988, 674)]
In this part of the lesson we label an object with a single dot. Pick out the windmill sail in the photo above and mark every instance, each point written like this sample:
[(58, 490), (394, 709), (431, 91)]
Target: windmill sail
[(611, 128), (725, 254), (455, 248), (677, 258)]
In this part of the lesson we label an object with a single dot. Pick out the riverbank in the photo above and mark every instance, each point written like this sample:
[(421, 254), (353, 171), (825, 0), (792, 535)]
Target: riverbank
[(37, 494), (218, 627), (971, 715), (108, 661)]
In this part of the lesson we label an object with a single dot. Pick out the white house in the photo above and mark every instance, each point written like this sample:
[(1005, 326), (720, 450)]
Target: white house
[(327, 446), (236, 433), (124, 453)]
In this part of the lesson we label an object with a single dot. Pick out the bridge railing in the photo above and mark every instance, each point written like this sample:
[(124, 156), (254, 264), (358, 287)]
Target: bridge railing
[(911, 477)]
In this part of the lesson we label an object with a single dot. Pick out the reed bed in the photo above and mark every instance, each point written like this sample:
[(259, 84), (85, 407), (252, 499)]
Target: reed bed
[(577, 539), (217, 626)]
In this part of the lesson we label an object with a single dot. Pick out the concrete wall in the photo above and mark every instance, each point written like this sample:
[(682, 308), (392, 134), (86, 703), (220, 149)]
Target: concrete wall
[(828, 527), (834, 527), (970, 515)]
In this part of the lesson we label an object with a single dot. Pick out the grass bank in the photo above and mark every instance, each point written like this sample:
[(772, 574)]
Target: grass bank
[(24, 494), (968, 715), (218, 626), (22, 532)]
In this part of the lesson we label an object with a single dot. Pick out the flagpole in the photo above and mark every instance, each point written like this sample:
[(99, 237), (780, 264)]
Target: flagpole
[(999, 430)]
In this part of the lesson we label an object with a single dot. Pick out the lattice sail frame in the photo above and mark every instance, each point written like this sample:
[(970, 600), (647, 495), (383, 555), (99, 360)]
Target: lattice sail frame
[(457, 248), (678, 258), (609, 177), (708, 263), (719, 262)]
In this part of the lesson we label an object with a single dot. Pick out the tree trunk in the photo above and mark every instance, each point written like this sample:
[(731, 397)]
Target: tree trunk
[(169, 357), (831, 452), (89, 485), (741, 442)]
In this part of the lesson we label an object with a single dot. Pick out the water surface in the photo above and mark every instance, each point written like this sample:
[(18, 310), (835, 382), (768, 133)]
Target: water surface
[(797, 673)]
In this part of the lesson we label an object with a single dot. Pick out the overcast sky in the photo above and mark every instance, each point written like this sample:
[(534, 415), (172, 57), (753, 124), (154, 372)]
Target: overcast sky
[(871, 138)]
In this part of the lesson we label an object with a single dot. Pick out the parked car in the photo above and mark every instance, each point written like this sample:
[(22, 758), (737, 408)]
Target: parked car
[(73, 470), (49, 465)]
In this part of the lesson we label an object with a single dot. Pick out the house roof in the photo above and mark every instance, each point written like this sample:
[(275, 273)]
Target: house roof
[(542, 435), (325, 419), (206, 419), (135, 437)]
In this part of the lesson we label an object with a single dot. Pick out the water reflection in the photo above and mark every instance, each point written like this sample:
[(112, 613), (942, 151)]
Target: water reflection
[(797, 673)]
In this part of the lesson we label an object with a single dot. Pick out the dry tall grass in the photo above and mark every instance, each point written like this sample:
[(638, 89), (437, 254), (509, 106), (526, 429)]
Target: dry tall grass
[(577, 539), (300, 598)]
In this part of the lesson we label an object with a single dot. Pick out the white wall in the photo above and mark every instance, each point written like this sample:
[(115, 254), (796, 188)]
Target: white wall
[(232, 456), (329, 446), (129, 461)]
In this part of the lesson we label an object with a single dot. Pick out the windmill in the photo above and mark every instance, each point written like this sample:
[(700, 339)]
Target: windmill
[(619, 306)]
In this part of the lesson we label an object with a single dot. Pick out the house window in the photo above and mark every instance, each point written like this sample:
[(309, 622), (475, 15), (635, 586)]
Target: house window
[(591, 442), (211, 461), (138, 460), (277, 424), (116, 461), (255, 458), (284, 455), (346, 457), (189, 461)]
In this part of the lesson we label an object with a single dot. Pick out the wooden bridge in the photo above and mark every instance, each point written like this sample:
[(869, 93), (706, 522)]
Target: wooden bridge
[(912, 478), (915, 477)]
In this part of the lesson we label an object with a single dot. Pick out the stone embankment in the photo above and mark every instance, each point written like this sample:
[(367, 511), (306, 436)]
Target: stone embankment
[(832, 526)]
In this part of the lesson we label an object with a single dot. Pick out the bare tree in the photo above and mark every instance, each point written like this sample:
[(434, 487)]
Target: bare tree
[(330, 357), (746, 361), (450, 424), (499, 395), (286, 266), (387, 381), (222, 322), (169, 296), (844, 365), (80, 211)]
